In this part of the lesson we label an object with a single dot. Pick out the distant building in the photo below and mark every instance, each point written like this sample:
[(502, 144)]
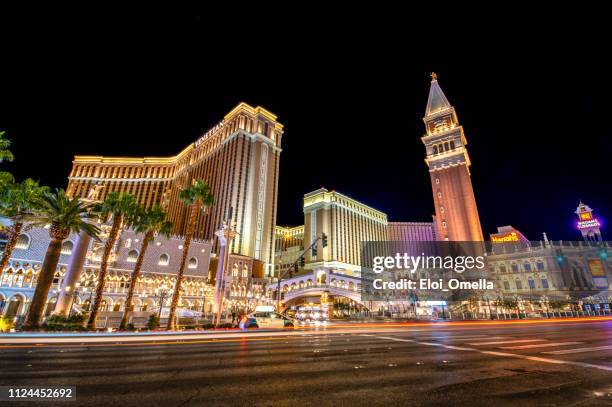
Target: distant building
[(332, 276), (555, 270)]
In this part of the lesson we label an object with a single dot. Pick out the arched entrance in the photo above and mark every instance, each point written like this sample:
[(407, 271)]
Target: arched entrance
[(15, 306)]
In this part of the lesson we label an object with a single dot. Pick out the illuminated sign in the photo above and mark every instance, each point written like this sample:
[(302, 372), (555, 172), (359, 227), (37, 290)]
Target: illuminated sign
[(585, 216), (505, 238), (593, 223), (596, 267), (209, 133)]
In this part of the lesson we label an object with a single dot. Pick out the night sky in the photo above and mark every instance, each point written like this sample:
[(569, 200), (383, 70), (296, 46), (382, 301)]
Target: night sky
[(536, 111)]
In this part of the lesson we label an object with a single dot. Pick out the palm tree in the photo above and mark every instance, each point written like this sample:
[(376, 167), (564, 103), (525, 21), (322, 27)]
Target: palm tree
[(64, 215), (197, 197), (150, 223), (17, 201), (121, 208), (5, 155)]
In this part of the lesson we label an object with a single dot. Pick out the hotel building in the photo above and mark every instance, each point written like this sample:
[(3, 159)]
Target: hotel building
[(334, 273), (238, 158)]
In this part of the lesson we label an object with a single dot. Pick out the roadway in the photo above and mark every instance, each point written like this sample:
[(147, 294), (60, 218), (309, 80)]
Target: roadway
[(475, 364)]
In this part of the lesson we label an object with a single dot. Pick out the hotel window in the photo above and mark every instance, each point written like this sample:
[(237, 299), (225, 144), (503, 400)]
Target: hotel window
[(531, 284), (540, 265), (437, 180), (441, 209), (506, 285), (444, 225), (193, 263), (132, 256), (544, 283), (435, 149), (514, 267), (527, 267), (502, 268), (164, 260), (519, 284), (452, 144), (439, 194)]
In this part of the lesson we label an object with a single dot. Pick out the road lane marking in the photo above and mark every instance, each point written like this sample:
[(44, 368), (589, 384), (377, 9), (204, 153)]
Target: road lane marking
[(460, 338), (541, 345), (504, 342), (578, 350), (501, 354)]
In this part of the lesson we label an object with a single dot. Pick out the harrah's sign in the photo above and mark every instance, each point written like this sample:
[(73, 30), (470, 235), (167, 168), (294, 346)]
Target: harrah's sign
[(505, 238), (209, 133)]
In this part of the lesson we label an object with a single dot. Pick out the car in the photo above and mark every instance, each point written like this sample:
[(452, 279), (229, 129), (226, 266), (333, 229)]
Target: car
[(266, 319)]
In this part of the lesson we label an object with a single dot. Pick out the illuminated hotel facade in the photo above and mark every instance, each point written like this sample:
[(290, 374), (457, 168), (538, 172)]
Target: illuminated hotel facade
[(334, 273), (238, 158)]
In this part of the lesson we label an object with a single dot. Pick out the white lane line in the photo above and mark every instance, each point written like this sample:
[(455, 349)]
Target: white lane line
[(504, 342), (541, 345), (578, 350), (502, 354), (458, 338)]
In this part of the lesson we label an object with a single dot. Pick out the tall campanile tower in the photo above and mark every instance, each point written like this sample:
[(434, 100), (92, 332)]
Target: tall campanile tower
[(449, 167)]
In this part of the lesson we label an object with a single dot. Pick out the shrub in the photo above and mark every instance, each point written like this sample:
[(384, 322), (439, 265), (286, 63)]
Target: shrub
[(153, 322), (6, 324)]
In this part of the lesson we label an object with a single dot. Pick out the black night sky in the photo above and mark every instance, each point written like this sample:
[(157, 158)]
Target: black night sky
[(536, 111)]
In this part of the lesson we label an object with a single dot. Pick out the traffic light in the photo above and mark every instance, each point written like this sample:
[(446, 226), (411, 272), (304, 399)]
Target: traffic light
[(302, 262), (313, 252), (324, 239)]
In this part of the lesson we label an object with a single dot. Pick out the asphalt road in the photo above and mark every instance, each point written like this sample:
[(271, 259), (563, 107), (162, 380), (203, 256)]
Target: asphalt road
[(561, 364)]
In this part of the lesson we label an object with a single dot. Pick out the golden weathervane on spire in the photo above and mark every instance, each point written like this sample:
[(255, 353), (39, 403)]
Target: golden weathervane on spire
[(434, 76)]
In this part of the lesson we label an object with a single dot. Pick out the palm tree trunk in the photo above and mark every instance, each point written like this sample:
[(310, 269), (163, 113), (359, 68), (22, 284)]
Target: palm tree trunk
[(10, 245), (135, 274), (193, 215), (108, 247), (45, 280)]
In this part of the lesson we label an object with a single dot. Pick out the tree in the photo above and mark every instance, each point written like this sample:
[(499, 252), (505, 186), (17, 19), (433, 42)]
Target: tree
[(197, 197), (17, 203), (5, 155), (122, 208), (150, 222), (64, 215)]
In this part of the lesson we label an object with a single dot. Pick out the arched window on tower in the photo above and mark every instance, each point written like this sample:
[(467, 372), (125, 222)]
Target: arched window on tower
[(435, 149)]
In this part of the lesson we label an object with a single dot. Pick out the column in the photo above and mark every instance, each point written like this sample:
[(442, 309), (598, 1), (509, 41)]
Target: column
[(73, 274)]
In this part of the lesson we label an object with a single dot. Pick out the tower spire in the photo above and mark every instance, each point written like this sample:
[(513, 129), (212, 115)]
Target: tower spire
[(437, 101)]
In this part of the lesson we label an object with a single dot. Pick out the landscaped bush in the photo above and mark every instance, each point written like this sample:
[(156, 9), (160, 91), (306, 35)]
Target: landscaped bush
[(153, 322), (6, 324), (59, 323)]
